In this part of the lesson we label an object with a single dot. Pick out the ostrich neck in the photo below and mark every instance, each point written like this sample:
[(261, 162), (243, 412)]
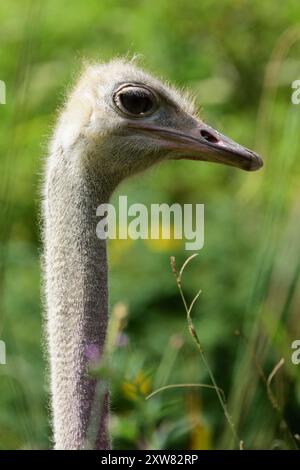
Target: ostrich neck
[(77, 297)]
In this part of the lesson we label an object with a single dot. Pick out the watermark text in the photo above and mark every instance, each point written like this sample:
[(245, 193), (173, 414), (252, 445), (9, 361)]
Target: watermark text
[(161, 221)]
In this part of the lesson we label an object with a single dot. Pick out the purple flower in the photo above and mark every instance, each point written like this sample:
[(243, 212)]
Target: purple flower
[(92, 353)]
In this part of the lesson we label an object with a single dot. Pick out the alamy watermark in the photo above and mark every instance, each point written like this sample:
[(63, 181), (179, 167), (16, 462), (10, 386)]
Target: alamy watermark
[(2, 343), (2, 92), (295, 98), (296, 354), (2, 353), (161, 221)]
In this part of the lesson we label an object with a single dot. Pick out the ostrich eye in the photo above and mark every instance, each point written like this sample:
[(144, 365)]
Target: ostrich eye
[(135, 101)]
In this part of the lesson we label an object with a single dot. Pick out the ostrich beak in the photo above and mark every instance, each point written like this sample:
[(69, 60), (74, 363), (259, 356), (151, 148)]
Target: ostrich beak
[(202, 142)]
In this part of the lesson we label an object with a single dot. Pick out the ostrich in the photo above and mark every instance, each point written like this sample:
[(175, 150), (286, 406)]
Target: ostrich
[(117, 121)]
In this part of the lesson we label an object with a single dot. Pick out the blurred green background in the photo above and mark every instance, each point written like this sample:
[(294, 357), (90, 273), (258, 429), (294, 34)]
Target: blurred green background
[(239, 59)]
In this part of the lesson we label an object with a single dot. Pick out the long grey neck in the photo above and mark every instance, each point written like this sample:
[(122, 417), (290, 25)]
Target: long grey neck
[(77, 298)]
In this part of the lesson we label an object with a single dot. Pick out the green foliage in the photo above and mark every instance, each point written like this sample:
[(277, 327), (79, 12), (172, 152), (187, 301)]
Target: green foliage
[(248, 270)]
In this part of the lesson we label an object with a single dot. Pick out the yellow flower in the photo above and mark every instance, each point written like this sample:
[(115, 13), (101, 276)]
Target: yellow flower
[(162, 244), (140, 386)]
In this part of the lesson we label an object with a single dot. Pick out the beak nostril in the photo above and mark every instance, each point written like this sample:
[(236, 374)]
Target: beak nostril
[(208, 136)]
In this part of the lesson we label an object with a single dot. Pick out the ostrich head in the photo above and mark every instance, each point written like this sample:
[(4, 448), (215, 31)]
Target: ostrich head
[(117, 121), (126, 121)]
